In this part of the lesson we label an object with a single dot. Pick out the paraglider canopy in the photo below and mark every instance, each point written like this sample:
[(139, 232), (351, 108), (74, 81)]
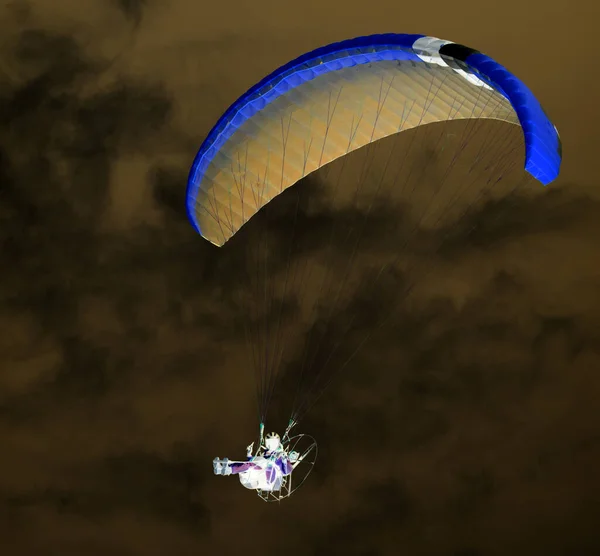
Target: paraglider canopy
[(341, 97)]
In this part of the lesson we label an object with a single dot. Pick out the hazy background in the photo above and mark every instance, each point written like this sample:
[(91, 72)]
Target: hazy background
[(118, 382)]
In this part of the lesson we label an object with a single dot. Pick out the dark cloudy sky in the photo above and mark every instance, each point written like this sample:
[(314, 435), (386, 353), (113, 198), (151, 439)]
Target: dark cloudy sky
[(471, 427)]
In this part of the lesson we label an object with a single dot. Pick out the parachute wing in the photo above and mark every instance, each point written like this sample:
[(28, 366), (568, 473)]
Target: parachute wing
[(344, 96)]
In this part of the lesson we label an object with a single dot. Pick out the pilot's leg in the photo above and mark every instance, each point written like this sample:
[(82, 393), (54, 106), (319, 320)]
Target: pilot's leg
[(241, 466), (226, 467)]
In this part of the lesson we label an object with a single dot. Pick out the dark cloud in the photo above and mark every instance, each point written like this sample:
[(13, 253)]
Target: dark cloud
[(164, 488), (379, 510), (518, 216), (132, 9)]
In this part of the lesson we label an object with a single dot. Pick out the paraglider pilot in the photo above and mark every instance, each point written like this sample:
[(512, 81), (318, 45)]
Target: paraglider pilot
[(263, 471)]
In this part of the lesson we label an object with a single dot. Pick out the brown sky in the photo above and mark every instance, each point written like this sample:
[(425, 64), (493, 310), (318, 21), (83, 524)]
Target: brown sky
[(121, 379)]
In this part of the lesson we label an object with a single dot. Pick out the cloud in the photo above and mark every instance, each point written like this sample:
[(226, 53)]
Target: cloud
[(164, 488), (379, 510), (132, 9)]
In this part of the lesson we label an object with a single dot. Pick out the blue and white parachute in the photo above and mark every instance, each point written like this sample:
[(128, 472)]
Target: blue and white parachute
[(341, 97)]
